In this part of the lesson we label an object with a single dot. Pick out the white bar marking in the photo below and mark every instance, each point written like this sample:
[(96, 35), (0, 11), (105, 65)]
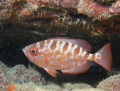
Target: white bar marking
[(47, 45), (84, 54), (90, 56), (57, 46), (61, 46), (80, 51), (97, 56), (38, 44), (68, 49), (75, 46), (51, 41), (73, 49)]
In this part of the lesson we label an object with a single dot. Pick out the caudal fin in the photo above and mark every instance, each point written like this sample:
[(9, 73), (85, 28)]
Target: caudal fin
[(103, 57)]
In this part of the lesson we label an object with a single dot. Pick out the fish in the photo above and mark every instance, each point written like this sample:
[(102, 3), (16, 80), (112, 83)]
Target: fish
[(69, 55)]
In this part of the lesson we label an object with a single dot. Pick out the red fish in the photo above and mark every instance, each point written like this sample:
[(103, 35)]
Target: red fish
[(68, 55)]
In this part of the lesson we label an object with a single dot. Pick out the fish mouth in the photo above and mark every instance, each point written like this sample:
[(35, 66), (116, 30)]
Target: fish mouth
[(24, 50)]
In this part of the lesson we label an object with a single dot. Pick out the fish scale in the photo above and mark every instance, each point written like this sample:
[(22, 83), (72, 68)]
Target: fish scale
[(59, 45), (66, 54)]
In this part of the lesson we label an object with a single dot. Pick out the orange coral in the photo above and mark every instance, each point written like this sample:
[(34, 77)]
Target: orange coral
[(11, 87)]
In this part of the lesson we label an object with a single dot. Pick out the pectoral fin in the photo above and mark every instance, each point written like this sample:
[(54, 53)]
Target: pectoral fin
[(51, 72)]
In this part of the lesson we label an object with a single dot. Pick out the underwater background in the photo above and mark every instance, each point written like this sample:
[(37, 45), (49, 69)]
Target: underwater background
[(24, 22)]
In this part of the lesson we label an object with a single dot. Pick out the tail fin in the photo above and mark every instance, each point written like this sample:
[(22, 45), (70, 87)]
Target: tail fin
[(103, 57)]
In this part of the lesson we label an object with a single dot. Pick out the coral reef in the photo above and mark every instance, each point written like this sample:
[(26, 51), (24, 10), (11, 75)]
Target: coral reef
[(53, 87), (23, 22), (11, 87), (104, 1), (57, 15), (4, 81), (19, 78), (110, 84), (87, 7), (98, 11), (18, 74)]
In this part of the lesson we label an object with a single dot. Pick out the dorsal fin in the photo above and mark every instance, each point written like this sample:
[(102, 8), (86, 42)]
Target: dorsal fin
[(80, 42)]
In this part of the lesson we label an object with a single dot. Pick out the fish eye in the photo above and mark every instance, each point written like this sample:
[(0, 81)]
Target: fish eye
[(33, 51)]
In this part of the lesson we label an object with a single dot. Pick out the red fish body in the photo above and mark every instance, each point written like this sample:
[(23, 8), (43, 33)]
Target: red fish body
[(66, 54)]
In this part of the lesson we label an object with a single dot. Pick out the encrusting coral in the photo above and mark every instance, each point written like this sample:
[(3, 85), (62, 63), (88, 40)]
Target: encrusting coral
[(57, 15), (28, 7), (18, 75), (11, 87), (9, 83), (110, 84), (53, 87)]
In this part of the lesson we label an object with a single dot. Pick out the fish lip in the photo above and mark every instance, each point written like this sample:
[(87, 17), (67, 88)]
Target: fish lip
[(23, 50)]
